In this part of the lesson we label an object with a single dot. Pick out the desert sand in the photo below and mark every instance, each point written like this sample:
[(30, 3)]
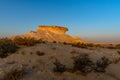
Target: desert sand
[(41, 67)]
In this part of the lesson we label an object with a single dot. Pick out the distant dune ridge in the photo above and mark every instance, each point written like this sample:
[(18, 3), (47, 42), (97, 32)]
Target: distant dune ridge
[(52, 33)]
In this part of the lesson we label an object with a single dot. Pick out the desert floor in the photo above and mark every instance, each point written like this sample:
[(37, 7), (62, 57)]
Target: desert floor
[(40, 67)]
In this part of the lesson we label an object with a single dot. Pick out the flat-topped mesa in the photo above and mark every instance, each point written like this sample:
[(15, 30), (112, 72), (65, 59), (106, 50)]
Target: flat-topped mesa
[(55, 29)]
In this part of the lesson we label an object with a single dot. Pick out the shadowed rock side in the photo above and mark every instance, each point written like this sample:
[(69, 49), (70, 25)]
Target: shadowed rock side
[(52, 33)]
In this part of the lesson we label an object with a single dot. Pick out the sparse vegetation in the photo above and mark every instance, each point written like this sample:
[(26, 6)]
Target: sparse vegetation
[(80, 45), (54, 48), (118, 52), (118, 46), (15, 74), (102, 64), (116, 60), (74, 52), (64, 43), (23, 53), (26, 41), (31, 53), (83, 63), (54, 42), (40, 53), (7, 47), (111, 47), (83, 45), (59, 67)]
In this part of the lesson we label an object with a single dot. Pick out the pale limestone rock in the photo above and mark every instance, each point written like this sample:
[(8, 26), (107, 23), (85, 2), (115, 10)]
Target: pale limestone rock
[(55, 29), (52, 33)]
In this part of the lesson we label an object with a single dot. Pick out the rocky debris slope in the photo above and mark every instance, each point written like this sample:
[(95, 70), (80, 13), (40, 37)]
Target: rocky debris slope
[(52, 33)]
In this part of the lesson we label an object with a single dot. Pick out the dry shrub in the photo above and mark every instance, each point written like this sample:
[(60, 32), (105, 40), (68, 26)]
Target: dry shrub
[(59, 67), (80, 45), (118, 52), (54, 48), (102, 64), (23, 53), (40, 53), (117, 60), (83, 45), (83, 63), (74, 52), (118, 46), (26, 41), (15, 74), (111, 47), (7, 47), (54, 42)]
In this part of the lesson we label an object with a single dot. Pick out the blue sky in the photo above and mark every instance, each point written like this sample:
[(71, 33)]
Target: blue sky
[(93, 20)]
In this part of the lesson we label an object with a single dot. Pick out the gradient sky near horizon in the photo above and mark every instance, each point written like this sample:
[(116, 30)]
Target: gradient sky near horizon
[(92, 20)]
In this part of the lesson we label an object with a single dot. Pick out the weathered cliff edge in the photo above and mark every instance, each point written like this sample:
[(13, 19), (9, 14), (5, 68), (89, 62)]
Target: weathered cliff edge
[(52, 33)]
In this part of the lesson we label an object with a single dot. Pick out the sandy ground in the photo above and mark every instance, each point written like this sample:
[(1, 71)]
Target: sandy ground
[(41, 67)]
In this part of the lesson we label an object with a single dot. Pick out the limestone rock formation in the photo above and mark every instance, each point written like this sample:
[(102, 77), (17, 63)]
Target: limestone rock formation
[(52, 33), (54, 29)]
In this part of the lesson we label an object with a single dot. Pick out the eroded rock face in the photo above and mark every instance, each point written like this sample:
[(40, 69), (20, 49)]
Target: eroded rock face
[(55, 29), (52, 33)]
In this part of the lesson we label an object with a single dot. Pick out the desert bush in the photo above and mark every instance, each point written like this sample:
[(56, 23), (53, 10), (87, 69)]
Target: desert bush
[(54, 42), (65, 43), (111, 47), (26, 41), (83, 45), (53, 48), (40, 53), (80, 45), (15, 74), (58, 66), (118, 46), (7, 47), (102, 64), (118, 52), (83, 63), (116, 60), (99, 45), (90, 45), (74, 52)]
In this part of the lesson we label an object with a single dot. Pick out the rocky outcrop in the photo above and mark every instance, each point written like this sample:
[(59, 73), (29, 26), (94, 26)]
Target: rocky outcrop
[(52, 33), (55, 29)]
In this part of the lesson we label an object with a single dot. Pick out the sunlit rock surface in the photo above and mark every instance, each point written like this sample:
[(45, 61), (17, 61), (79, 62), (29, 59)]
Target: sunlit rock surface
[(55, 29), (52, 33)]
